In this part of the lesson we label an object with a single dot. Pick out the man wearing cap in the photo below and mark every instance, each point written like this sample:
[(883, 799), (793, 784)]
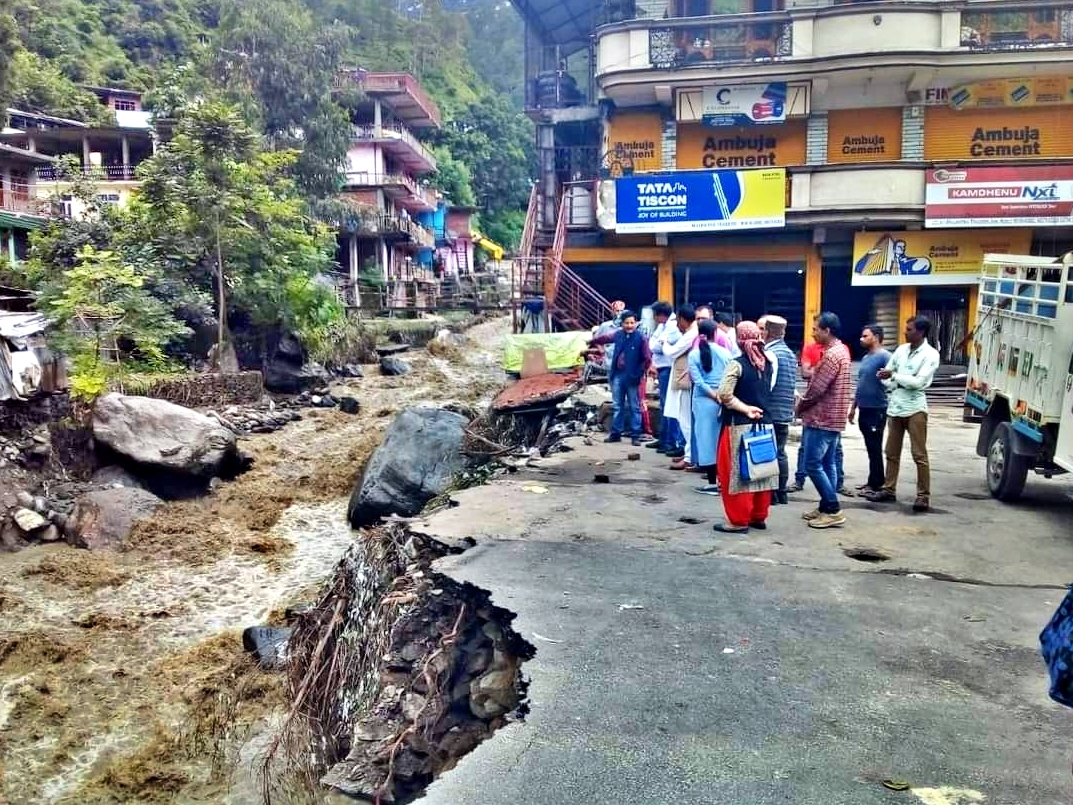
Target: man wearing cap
[(781, 401)]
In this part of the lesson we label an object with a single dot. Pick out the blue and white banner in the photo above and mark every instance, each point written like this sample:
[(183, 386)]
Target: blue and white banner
[(701, 201), (744, 104)]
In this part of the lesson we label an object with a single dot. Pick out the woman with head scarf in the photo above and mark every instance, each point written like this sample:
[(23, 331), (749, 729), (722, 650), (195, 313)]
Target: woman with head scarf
[(707, 363), (745, 394)]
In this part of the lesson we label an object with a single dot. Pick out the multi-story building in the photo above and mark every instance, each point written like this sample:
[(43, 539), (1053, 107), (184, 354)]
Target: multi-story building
[(390, 237), (795, 156), (110, 154), (21, 211)]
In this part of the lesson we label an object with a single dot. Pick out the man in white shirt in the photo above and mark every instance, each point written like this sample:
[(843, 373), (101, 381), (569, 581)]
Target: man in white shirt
[(679, 404), (907, 376), (665, 333)]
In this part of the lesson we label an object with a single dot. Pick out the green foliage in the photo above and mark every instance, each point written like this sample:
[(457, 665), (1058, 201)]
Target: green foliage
[(8, 45), (38, 86), (453, 177), (105, 318), (213, 181)]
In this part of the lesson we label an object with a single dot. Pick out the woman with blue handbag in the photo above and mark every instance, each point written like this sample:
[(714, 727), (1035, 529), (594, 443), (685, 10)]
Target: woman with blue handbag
[(748, 458), (707, 363)]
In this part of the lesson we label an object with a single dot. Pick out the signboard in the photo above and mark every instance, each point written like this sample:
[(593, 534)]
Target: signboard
[(701, 147), (864, 135), (690, 102), (1030, 196), (990, 134), (635, 141), (744, 104), (701, 201), (951, 257), (1004, 92)]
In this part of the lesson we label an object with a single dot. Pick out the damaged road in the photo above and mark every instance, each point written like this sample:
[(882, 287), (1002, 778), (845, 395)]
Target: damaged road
[(676, 667)]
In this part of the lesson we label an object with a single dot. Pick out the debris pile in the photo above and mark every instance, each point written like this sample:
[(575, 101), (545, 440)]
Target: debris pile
[(30, 447), (396, 673)]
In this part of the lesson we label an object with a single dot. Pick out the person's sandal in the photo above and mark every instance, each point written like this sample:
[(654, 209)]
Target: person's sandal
[(724, 528)]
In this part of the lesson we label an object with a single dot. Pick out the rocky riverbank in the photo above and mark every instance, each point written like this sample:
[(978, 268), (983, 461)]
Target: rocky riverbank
[(122, 674)]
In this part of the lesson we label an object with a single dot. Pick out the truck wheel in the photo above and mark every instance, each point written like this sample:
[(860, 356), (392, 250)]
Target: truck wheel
[(1006, 471)]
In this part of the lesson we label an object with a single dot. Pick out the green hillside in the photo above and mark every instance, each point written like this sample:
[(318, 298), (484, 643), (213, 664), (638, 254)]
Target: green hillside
[(276, 58)]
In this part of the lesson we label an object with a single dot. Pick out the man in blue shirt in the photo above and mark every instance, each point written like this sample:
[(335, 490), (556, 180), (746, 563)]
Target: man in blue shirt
[(870, 404)]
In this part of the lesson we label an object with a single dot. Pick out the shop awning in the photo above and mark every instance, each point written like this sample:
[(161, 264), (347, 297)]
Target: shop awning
[(14, 220)]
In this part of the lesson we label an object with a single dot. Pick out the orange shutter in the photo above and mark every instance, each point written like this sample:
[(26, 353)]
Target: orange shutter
[(638, 138), (1009, 135), (864, 135), (736, 147)]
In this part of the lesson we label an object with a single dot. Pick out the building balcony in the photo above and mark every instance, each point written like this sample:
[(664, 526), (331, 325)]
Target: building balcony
[(400, 144), (398, 187), (783, 45), (107, 173), (395, 229), (20, 199)]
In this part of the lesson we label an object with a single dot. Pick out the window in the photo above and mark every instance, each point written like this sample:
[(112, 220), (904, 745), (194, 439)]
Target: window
[(125, 105)]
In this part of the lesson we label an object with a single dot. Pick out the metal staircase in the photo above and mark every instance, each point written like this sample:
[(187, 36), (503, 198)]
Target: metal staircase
[(569, 303)]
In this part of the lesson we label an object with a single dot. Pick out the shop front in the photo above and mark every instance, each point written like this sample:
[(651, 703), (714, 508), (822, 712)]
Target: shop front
[(936, 273)]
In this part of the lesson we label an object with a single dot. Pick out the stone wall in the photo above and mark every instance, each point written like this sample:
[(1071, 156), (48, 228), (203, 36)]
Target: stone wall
[(15, 415), (207, 390)]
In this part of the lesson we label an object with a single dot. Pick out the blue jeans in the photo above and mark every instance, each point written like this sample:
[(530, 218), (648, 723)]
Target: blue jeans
[(800, 474), (670, 435), (820, 448), (625, 402)]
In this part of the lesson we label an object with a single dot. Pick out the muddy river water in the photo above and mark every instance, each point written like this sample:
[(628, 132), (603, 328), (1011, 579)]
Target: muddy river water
[(122, 677)]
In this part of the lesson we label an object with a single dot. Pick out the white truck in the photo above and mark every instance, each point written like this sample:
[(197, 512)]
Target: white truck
[(1020, 383)]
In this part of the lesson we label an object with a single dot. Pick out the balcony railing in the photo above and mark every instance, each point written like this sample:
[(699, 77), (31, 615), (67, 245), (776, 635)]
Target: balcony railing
[(18, 198), (112, 173), (1017, 27), (405, 227), (396, 133), (705, 40), (370, 179)]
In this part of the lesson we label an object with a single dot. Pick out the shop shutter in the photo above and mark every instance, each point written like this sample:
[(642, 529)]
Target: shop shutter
[(997, 134)]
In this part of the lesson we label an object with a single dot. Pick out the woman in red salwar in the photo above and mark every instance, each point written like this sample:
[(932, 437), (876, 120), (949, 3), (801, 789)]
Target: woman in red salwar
[(744, 393)]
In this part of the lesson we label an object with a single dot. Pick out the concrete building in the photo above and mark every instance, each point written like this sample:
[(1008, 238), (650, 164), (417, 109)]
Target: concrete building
[(801, 155), (21, 211)]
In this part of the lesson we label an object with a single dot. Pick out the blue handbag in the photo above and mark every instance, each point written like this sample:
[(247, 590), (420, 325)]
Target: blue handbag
[(1056, 645), (759, 454)]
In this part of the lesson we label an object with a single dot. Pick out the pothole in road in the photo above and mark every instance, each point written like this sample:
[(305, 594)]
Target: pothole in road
[(972, 495), (866, 554), (690, 520)]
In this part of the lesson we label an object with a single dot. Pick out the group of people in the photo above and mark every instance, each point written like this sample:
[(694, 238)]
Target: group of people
[(717, 381)]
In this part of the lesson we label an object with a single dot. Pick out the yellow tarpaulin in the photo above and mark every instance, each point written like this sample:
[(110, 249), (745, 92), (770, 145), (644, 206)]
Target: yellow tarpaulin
[(562, 349), (493, 248)]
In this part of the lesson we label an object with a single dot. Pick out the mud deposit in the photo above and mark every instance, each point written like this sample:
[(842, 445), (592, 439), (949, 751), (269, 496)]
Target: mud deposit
[(122, 675)]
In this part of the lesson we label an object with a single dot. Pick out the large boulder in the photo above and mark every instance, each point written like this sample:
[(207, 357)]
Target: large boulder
[(420, 454), (286, 371), (163, 435), (103, 518)]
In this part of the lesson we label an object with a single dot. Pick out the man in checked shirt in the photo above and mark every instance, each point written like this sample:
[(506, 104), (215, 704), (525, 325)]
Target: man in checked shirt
[(823, 410)]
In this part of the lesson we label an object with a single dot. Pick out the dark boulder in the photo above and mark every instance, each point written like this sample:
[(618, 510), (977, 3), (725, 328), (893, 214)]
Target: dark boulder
[(284, 377), (349, 405), (392, 367), (268, 645), (420, 455), (103, 518)]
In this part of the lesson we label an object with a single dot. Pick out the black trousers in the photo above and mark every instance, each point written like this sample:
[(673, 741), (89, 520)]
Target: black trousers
[(872, 422), (782, 433)]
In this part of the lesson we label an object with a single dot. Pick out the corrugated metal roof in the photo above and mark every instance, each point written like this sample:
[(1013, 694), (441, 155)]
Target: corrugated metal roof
[(16, 326), (15, 220), (566, 23)]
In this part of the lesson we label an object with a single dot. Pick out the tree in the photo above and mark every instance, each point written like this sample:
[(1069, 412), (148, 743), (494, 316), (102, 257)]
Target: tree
[(37, 86), (8, 45), (104, 319), (274, 56), (221, 215)]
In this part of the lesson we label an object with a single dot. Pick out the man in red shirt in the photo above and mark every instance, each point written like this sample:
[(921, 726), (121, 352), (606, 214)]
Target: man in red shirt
[(824, 410), (810, 356)]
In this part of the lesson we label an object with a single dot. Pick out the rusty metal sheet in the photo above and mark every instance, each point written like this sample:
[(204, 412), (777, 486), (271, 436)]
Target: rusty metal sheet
[(536, 391)]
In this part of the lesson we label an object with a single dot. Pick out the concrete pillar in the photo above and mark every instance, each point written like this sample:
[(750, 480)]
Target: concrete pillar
[(972, 300), (913, 132), (31, 145), (5, 184), (378, 117), (907, 307), (813, 289), (355, 269), (665, 279), (548, 186), (126, 157), (85, 153), (11, 247), (669, 154), (816, 139)]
